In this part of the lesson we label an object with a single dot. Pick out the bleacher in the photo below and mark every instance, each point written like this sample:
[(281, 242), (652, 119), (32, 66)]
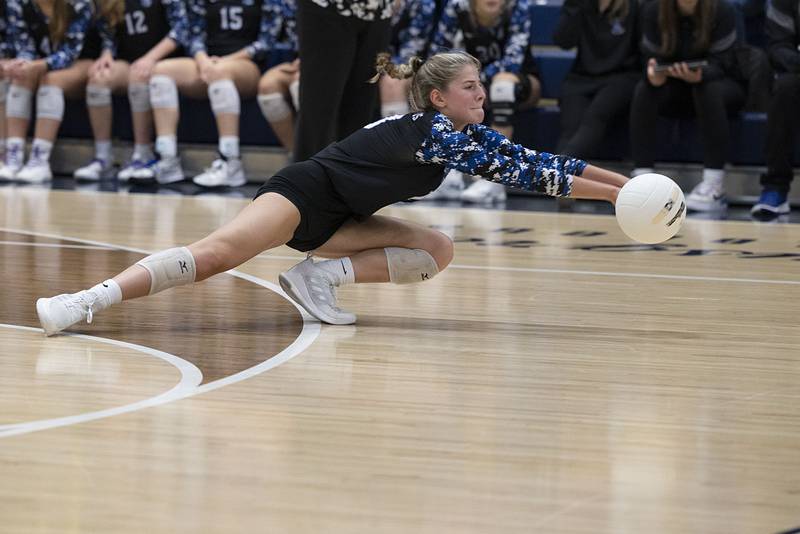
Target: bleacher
[(539, 128)]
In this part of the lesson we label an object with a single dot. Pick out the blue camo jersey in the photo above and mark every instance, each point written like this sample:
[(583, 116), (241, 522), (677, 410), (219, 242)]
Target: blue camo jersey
[(404, 156), (27, 45), (276, 28), (412, 29), (481, 151), (176, 16), (501, 48)]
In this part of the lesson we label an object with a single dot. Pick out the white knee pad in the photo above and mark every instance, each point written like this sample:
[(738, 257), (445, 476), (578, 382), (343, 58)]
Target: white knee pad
[(139, 97), (294, 90), (502, 91), (169, 268), (19, 102), (3, 91), (163, 92), (98, 96), (224, 97), (274, 107), (410, 265), (50, 102)]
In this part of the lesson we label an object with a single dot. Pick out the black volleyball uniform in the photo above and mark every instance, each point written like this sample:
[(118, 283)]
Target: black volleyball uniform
[(226, 26), (402, 157), (144, 26)]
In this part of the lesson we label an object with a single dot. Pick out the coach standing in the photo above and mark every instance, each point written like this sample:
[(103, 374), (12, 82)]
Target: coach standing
[(338, 42)]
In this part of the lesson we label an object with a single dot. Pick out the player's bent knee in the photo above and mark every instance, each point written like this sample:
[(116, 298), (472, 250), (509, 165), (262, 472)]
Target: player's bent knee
[(410, 265)]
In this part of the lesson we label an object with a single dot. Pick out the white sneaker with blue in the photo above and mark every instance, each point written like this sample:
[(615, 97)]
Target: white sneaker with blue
[(708, 195), (35, 172), (771, 203), (97, 169), (14, 160), (130, 168)]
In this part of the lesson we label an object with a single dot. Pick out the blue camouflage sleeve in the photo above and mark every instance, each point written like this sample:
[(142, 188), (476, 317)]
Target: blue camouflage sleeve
[(20, 40), (4, 47), (414, 38), (519, 32), (444, 39), (483, 152), (276, 16), (178, 20), (72, 44), (196, 14), (106, 35)]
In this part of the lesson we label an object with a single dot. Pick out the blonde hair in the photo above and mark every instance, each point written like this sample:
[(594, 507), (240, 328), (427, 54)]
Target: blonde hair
[(434, 73), (113, 11)]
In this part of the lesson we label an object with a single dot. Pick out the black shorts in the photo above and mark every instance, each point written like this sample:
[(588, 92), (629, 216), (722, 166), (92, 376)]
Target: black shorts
[(322, 210)]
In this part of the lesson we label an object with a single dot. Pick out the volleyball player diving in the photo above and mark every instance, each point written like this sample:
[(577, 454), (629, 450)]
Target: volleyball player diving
[(327, 204)]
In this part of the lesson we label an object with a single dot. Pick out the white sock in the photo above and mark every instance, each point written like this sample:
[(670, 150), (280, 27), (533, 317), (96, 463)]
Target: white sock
[(641, 170), (167, 146), (714, 176), (229, 146), (110, 293), (40, 151), (341, 269), (394, 108), (142, 152), (102, 151)]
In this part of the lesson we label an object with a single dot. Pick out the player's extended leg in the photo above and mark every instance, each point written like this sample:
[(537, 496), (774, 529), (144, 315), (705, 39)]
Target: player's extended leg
[(379, 249), (269, 221)]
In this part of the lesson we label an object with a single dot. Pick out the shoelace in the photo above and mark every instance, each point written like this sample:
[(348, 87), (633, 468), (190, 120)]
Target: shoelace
[(88, 299)]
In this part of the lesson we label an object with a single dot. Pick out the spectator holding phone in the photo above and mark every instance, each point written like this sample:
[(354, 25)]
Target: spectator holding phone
[(690, 48)]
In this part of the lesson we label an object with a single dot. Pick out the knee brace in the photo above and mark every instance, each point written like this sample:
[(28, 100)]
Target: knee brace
[(19, 102), (50, 102), (274, 107), (224, 97), (3, 91), (163, 92), (294, 90), (169, 268), (410, 265), (139, 97), (502, 95), (98, 96)]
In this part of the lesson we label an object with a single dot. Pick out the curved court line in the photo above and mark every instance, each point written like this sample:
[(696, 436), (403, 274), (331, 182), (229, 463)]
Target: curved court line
[(191, 377), (310, 331)]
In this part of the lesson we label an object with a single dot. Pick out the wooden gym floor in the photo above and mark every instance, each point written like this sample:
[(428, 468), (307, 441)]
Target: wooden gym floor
[(556, 378)]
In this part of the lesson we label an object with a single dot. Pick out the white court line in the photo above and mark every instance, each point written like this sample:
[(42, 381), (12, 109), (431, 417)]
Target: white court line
[(188, 386), (190, 379), (53, 245), (589, 273)]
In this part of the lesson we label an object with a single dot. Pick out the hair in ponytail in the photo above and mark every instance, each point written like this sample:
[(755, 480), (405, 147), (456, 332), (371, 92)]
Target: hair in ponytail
[(434, 73)]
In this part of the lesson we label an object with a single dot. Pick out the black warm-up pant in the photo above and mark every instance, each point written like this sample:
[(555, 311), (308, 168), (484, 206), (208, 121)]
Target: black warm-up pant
[(588, 106), (337, 57), (782, 116), (711, 102)]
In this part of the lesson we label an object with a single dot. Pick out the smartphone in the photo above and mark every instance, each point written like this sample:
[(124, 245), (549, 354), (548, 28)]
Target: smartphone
[(698, 64)]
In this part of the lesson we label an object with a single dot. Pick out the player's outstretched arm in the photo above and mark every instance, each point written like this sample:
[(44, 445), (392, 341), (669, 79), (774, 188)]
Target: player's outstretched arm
[(597, 174), (591, 188)]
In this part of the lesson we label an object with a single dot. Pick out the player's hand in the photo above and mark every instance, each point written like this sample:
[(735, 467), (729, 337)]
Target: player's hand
[(656, 79), (290, 68), (102, 67), (142, 68), (683, 72), (21, 70)]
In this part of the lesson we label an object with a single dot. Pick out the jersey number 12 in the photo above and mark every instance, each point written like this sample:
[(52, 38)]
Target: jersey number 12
[(135, 23)]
